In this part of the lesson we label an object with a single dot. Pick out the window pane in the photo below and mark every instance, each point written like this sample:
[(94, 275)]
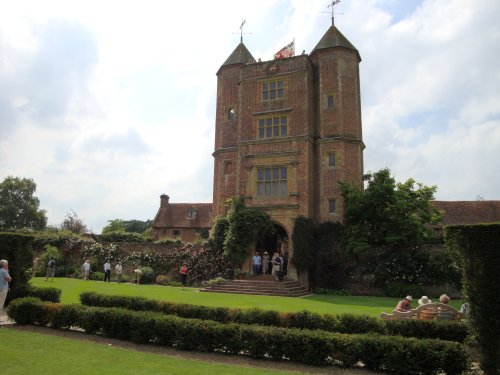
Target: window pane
[(272, 85), (265, 95), (261, 132), (269, 121), (260, 173), (283, 120), (280, 84), (276, 131), (329, 101), (283, 130), (261, 122), (260, 188), (332, 207), (283, 173), (272, 94), (269, 132), (276, 188), (331, 160), (268, 188), (280, 93), (283, 188), (276, 173), (276, 120), (268, 174)]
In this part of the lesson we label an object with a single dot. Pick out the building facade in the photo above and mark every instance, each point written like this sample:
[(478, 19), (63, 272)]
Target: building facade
[(287, 131)]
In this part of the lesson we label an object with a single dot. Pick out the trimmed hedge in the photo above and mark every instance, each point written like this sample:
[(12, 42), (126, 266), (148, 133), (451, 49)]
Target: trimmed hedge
[(383, 353), (478, 246), (345, 323), (45, 294)]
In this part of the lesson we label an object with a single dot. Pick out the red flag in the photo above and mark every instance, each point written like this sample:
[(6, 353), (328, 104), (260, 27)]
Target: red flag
[(286, 51)]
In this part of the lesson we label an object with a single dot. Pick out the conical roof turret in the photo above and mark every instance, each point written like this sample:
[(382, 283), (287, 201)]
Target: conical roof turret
[(334, 38), (241, 55)]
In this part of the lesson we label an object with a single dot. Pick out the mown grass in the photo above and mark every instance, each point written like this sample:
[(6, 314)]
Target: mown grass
[(34, 353), (372, 306)]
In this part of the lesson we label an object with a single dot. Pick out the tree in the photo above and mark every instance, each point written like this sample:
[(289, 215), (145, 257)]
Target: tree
[(137, 226), (244, 224), (19, 208), (73, 223), (388, 213), (115, 225)]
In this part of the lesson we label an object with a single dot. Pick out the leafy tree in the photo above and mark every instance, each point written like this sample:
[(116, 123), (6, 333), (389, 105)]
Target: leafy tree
[(387, 213), (116, 225), (137, 226), (19, 208), (244, 224), (73, 223)]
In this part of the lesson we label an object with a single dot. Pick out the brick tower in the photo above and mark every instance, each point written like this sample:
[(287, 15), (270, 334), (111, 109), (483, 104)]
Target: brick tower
[(287, 131)]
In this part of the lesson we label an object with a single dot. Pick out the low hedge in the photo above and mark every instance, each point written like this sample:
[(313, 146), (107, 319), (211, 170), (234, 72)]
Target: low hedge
[(345, 323), (312, 347), (45, 294)]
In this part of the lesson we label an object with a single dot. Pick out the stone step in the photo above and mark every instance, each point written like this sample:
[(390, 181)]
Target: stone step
[(260, 285)]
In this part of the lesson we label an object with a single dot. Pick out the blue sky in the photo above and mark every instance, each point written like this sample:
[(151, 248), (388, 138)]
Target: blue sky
[(107, 105)]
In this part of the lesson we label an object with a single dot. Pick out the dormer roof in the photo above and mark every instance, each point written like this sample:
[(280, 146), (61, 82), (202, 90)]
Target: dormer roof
[(334, 38)]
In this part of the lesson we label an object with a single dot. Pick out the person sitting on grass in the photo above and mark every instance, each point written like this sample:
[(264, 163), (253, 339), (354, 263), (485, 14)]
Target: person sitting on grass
[(404, 305)]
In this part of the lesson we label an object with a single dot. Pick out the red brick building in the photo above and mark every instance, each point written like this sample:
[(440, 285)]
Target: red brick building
[(286, 132)]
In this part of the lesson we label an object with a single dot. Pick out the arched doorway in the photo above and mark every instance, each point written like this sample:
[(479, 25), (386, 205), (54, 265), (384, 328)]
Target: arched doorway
[(276, 242)]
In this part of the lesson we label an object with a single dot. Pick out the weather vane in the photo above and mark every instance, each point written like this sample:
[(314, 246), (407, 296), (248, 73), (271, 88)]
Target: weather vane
[(241, 30), (332, 5)]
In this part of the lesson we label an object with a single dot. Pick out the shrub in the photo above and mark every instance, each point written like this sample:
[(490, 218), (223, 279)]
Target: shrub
[(331, 292), (16, 248), (148, 275), (44, 294), (345, 323), (478, 248), (97, 276), (168, 240), (388, 354), (399, 290)]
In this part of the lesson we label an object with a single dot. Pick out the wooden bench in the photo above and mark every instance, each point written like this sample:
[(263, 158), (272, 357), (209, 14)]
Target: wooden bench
[(430, 311)]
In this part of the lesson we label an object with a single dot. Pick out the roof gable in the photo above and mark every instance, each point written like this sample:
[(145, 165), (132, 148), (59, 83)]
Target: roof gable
[(334, 38), (240, 55), (468, 212)]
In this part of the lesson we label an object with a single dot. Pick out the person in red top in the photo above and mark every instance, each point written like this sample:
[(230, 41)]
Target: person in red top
[(404, 304), (183, 273)]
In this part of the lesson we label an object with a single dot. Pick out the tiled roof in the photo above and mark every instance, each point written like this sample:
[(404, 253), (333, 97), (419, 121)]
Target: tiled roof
[(468, 212), (241, 55), (175, 215), (334, 38)]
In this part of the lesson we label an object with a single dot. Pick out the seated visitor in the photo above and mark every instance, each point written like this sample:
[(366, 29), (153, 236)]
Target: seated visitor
[(426, 314), (404, 304), (443, 313)]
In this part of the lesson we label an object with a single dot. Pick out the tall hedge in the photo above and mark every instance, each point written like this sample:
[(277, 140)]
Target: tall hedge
[(479, 248), (16, 248)]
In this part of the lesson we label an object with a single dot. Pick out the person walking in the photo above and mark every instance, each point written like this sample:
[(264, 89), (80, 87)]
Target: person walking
[(138, 274), (119, 272), (51, 269), (183, 273), (107, 271), (5, 279), (86, 269)]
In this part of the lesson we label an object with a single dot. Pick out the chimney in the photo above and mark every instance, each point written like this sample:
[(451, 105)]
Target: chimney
[(164, 200)]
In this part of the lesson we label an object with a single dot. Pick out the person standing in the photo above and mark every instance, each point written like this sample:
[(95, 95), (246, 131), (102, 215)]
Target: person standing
[(119, 272), (86, 269), (51, 269), (265, 262), (5, 279), (138, 274), (35, 267), (256, 263), (276, 263), (107, 271), (183, 273)]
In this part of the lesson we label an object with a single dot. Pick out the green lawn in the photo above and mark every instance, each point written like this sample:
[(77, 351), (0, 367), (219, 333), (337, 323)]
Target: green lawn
[(373, 306), (58, 355)]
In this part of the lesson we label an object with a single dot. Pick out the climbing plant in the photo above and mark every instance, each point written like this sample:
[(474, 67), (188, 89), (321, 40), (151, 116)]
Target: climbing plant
[(242, 226)]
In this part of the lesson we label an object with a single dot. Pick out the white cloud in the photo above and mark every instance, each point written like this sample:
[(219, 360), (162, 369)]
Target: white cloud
[(109, 104)]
